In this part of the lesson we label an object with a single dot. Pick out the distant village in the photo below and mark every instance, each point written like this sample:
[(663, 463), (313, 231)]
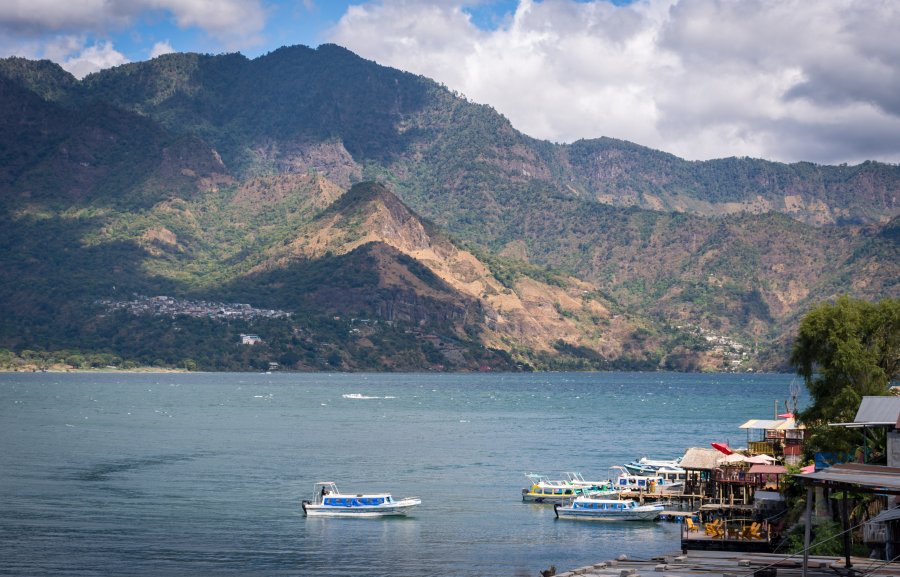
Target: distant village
[(734, 354), (172, 307)]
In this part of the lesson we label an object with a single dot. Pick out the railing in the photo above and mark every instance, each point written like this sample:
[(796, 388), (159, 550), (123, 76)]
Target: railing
[(727, 530), (760, 447)]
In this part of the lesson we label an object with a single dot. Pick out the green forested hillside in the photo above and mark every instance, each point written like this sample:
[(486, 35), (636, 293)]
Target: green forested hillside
[(221, 177)]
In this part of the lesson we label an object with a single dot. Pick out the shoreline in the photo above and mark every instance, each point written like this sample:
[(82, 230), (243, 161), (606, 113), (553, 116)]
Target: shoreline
[(57, 370)]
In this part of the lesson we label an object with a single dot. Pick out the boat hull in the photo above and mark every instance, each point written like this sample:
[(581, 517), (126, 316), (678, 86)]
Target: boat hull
[(395, 509), (580, 511), (606, 516), (547, 499)]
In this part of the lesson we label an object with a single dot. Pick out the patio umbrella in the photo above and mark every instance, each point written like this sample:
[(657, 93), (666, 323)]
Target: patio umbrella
[(734, 458), (722, 448), (760, 459)]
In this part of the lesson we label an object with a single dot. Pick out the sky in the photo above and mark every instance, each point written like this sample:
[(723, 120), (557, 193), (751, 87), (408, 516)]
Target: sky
[(784, 80)]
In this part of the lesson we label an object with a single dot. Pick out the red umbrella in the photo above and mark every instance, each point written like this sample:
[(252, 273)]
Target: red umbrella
[(786, 416), (722, 447)]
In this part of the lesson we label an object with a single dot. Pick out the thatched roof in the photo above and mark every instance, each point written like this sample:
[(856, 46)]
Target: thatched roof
[(700, 458)]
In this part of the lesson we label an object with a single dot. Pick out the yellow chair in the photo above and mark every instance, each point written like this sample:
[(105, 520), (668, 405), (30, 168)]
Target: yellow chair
[(691, 526), (714, 529), (752, 532)]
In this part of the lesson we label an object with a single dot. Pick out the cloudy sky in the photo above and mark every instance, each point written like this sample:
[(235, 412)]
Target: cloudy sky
[(785, 80)]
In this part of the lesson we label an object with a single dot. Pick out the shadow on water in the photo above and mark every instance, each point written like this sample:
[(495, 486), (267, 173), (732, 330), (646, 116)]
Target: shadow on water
[(103, 471)]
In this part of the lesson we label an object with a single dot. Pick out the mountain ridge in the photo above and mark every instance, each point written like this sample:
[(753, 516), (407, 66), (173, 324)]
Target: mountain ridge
[(210, 171)]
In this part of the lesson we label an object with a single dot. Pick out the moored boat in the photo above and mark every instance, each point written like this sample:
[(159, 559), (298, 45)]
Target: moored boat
[(596, 488), (328, 501), (545, 490), (668, 481), (645, 466), (607, 510)]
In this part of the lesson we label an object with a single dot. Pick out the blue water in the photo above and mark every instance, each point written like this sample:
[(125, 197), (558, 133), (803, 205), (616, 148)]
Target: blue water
[(202, 474)]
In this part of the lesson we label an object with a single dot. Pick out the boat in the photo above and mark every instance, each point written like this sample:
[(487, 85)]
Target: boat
[(607, 510), (545, 490), (328, 501), (645, 466), (542, 489), (670, 481), (597, 488)]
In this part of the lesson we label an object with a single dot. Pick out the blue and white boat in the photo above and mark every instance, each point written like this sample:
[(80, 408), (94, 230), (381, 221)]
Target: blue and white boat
[(665, 481), (607, 510), (328, 501)]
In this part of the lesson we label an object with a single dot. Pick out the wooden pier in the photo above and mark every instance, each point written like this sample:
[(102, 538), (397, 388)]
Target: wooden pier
[(733, 564)]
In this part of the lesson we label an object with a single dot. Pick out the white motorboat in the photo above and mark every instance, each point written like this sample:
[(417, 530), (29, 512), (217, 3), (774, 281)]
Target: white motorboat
[(328, 501), (671, 480), (597, 488), (607, 510), (645, 466)]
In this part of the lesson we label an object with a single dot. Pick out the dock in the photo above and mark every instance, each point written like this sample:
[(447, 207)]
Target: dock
[(733, 564)]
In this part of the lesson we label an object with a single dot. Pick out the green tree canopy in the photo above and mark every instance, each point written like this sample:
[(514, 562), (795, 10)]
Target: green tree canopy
[(844, 351)]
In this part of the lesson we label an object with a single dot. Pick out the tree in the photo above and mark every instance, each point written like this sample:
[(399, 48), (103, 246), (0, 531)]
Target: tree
[(845, 351)]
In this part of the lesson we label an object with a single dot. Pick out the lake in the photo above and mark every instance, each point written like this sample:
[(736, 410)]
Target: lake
[(203, 474)]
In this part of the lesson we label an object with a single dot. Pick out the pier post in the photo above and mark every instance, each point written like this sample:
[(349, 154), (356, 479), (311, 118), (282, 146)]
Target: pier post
[(808, 529)]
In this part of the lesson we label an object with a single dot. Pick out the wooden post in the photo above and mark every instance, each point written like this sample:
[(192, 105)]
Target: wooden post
[(845, 523), (808, 529)]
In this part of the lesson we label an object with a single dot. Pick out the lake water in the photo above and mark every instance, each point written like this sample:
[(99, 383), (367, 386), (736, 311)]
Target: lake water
[(202, 474)]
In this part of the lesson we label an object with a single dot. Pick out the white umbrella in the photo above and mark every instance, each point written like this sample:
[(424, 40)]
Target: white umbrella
[(761, 460), (733, 458)]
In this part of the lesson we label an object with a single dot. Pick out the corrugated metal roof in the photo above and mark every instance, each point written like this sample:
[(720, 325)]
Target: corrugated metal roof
[(878, 411), (866, 476), (885, 516)]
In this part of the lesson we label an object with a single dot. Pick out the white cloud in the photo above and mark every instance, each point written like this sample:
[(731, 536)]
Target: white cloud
[(92, 58), (781, 79), (161, 48), (235, 23)]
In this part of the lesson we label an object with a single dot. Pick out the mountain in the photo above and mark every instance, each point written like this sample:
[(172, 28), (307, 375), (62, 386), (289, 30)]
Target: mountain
[(402, 225)]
